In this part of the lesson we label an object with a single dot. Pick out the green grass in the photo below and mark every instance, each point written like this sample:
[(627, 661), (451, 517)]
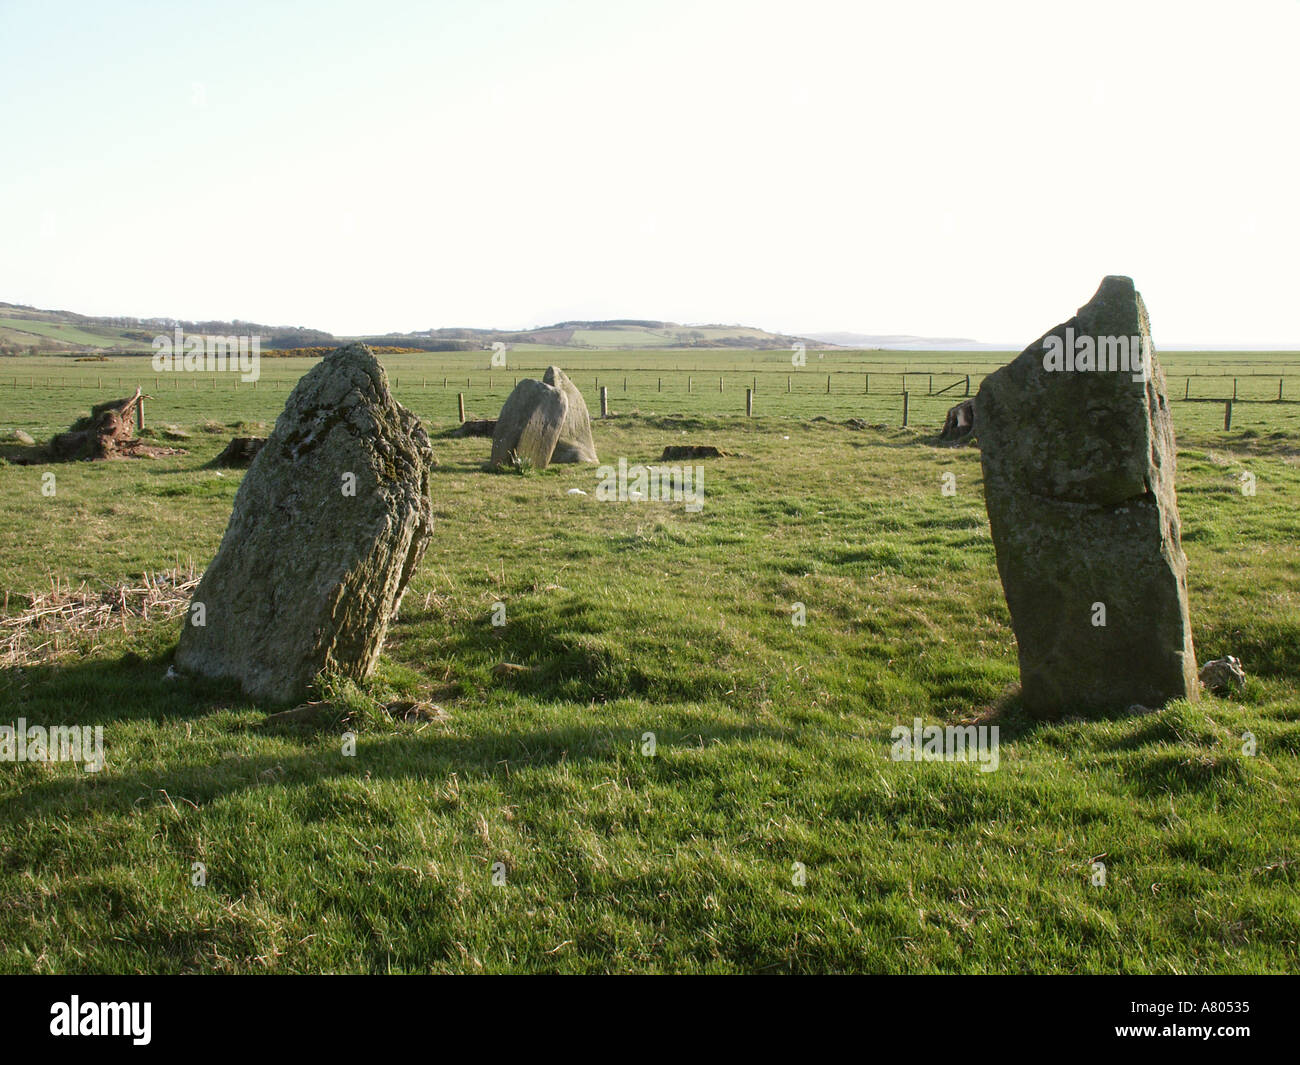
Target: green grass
[(623, 338), (45, 394), (772, 740), (68, 334)]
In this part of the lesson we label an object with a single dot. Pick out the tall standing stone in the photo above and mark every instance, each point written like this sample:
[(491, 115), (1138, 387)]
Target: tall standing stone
[(1079, 484), (328, 525)]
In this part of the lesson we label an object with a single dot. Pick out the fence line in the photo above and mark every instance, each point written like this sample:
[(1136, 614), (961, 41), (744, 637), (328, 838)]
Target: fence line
[(889, 397)]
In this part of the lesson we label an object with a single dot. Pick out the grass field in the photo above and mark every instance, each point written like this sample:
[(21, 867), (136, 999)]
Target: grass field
[(629, 337), (48, 393), (772, 740), (21, 330)]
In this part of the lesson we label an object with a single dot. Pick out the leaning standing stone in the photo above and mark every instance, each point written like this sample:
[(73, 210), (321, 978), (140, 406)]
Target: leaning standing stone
[(575, 443), (543, 422), (328, 525), (1079, 485), (529, 424)]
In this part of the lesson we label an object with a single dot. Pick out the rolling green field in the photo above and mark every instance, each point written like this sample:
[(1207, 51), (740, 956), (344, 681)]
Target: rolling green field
[(630, 338), (20, 330), (772, 740)]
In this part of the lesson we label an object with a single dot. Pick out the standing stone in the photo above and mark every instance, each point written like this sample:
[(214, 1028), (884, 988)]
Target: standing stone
[(529, 424), (1079, 485), (960, 422), (543, 422), (240, 452), (575, 443), (328, 525)]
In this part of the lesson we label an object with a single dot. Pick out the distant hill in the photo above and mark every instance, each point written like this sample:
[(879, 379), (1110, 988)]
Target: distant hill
[(29, 330), (618, 333), (25, 330), (902, 342)]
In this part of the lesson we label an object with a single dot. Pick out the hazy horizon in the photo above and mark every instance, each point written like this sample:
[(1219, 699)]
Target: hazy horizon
[(883, 341)]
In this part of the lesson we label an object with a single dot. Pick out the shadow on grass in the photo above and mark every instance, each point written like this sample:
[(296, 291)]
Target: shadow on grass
[(570, 656), (424, 754), (99, 691), (446, 466), (1015, 722)]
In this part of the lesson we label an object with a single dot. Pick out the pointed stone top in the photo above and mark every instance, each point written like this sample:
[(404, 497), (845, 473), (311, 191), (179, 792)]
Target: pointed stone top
[(1116, 309), (351, 370)]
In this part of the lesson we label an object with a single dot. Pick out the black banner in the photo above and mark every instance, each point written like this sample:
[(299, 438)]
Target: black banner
[(170, 1014)]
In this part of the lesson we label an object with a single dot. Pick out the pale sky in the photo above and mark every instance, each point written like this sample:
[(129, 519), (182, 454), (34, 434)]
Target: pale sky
[(945, 169)]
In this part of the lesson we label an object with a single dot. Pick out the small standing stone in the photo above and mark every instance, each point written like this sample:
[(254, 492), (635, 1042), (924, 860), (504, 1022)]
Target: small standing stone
[(543, 422)]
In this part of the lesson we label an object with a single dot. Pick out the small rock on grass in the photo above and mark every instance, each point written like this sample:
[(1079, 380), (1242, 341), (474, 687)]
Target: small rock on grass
[(410, 710), (1223, 676), (693, 451)]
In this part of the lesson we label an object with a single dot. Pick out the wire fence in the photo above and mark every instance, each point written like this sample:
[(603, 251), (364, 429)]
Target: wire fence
[(906, 396)]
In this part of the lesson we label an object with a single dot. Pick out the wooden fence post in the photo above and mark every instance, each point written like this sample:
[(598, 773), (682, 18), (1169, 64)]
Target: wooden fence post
[(1227, 415), (904, 410), (749, 403), (460, 406), (604, 402)]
